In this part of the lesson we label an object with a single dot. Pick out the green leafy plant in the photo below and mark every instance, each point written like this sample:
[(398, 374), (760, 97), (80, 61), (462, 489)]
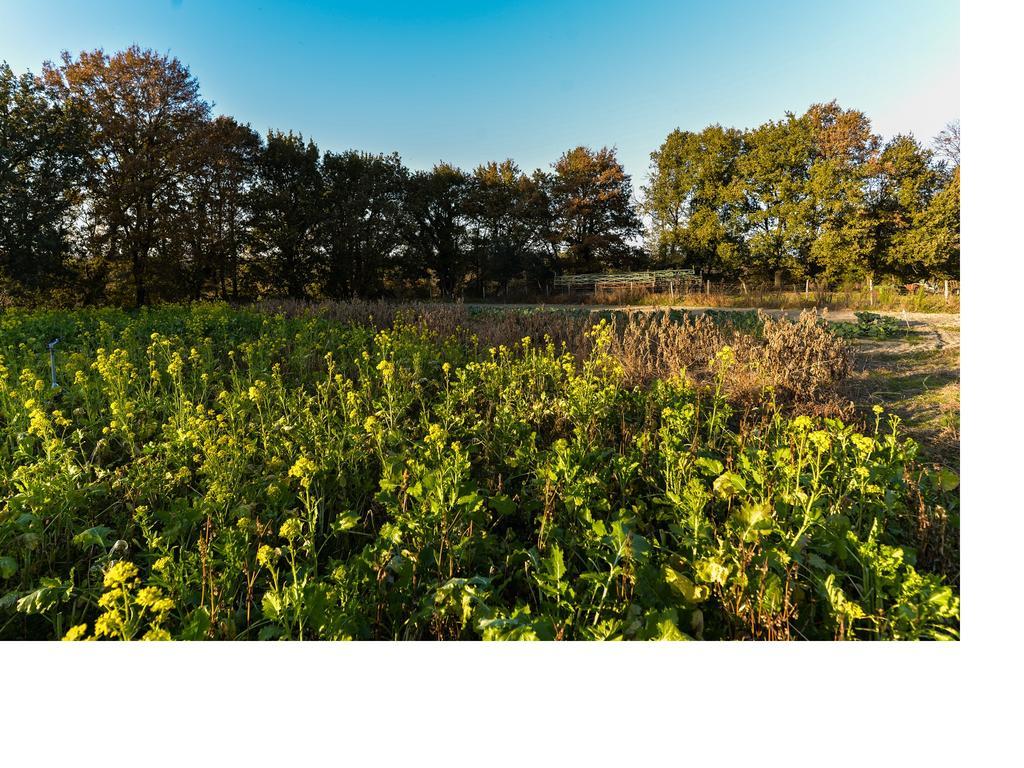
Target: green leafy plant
[(208, 472)]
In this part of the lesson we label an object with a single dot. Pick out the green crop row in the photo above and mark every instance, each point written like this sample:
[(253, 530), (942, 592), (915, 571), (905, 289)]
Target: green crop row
[(214, 473)]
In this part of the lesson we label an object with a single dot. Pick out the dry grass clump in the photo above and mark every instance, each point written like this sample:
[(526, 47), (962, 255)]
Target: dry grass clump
[(653, 345), (802, 356), (885, 298), (799, 361), (489, 328)]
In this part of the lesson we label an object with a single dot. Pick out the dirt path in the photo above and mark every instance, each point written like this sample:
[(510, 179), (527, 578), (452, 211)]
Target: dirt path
[(918, 379)]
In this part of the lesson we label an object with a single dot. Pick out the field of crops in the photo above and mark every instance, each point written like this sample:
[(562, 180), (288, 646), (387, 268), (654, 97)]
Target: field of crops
[(209, 472)]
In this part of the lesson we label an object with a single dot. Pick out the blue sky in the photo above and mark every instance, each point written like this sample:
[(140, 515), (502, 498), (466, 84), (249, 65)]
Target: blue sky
[(469, 82)]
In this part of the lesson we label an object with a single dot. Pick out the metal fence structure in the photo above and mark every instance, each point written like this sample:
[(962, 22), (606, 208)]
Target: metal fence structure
[(688, 281), (652, 280)]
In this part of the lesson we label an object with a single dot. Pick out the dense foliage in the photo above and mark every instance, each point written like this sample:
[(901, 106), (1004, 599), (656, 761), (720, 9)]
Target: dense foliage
[(214, 473), (816, 196), (119, 186), (869, 325)]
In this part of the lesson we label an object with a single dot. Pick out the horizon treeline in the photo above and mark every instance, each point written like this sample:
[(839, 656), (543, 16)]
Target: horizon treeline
[(118, 185)]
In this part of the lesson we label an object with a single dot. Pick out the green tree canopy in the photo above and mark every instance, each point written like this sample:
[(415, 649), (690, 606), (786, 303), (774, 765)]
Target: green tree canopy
[(593, 216), (691, 199), (215, 234), (41, 165), (286, 212), (509, 216), (363, 226), (143, 115), (436, 226)]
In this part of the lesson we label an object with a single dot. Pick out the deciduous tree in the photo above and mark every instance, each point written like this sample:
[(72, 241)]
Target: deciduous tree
[(436, 232), (214, 232), (363, 227), (286, 212), (844, 150), (691, 200), (947, 144), (41, 162), (594, 218), (777, 208), (143, 116), (509, 216), (904, 181)]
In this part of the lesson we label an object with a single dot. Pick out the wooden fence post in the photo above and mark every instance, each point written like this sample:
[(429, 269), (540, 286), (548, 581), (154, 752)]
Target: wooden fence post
[(945, 290)]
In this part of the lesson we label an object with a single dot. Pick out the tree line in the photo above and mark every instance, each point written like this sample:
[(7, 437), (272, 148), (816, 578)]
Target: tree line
[(817, 196), (119, 185)]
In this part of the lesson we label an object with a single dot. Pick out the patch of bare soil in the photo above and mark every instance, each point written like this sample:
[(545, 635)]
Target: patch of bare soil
[(916, 377)]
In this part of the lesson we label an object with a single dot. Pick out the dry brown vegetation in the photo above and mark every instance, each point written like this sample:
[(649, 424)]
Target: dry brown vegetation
[(882, 298), (799, 363)]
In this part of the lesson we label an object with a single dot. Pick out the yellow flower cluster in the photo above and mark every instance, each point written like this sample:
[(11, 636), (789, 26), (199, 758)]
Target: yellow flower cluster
[(291, 529), (38, 424), (802, 423), (77, 632), (303, 469), (267, 555), (126, 611), (820, 440), (435, 436), (122, 573), (864, 445), (387, 370), (152, 599), (726, 356)]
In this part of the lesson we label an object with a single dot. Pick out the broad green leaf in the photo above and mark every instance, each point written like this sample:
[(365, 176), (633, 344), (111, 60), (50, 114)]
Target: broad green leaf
[(663, 625), (948, 480), (269, 632), (26, 520), (502, 504), (753, 520), (97, 536), (51, 593), (345, 522), (773, 594), (691, 593), (840, 603), (556, 563), (8, 567), (709, 467), (272, 606), (728, 484), (669, 631), (196, 625), (641, 546), (712, 571), (471, 500)]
